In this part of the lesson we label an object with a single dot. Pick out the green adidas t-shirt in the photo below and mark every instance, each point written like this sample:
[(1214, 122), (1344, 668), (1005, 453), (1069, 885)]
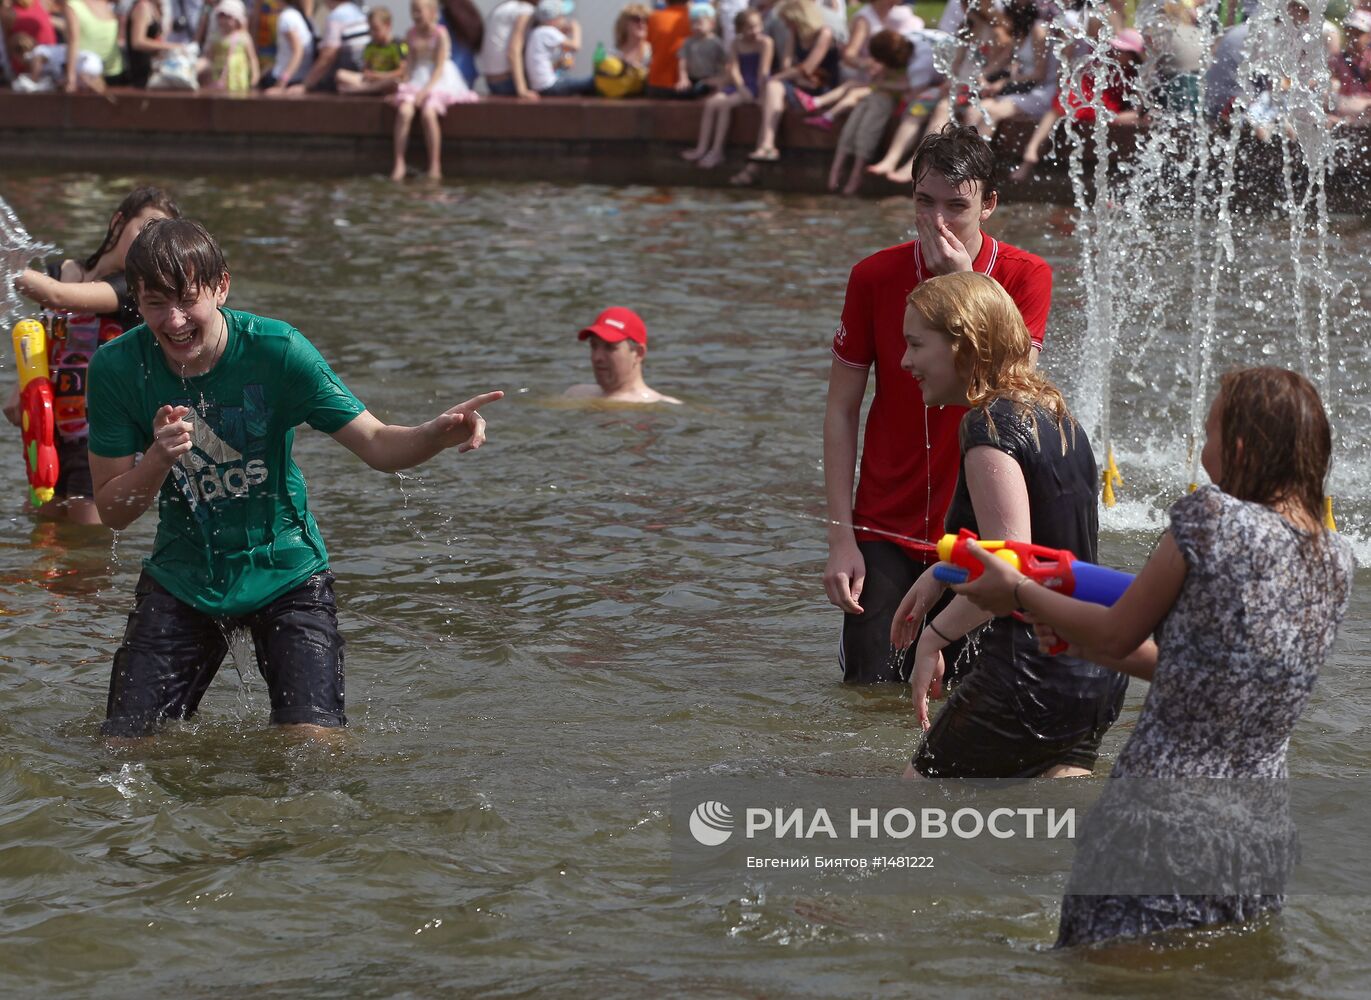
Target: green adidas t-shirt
[(234, 529), (384, 58)]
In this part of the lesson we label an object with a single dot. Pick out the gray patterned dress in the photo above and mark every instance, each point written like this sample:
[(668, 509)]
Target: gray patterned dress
[(1237, 657)]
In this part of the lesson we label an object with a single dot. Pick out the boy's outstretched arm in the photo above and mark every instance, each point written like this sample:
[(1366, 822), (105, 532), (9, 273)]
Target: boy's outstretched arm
[(391, 447), (124, 490)]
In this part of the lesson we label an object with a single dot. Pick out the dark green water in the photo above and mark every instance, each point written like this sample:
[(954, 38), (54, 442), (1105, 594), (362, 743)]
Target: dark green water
[(543, 634)]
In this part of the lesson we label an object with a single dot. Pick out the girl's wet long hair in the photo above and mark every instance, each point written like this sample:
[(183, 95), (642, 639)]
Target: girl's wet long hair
[(1275, 439), (135, 202), (991, 345)]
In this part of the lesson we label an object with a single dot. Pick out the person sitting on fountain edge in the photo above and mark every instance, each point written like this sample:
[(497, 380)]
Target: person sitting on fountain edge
[(211, 398), (910, 452), (618, 348)]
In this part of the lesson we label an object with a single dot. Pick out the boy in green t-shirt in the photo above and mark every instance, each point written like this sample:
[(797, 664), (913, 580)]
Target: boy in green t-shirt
[(383, 60), (211, 398)]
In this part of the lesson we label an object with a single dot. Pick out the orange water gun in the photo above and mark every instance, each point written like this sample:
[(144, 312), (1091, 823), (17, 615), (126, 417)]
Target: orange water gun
[(35, 397), (1055, 569)]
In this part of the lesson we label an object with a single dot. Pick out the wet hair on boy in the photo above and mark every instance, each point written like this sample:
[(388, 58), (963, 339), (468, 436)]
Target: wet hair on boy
[(175, 258), (960, 154)]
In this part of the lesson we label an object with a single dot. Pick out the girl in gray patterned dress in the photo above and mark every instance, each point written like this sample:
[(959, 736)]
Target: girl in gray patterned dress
[(1244, 593)]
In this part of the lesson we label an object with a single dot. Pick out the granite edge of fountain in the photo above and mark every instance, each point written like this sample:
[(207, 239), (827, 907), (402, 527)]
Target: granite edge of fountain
[(559, 139)]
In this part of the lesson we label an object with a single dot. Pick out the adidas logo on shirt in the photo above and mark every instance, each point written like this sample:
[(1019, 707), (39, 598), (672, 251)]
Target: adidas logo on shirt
[(213, 469)]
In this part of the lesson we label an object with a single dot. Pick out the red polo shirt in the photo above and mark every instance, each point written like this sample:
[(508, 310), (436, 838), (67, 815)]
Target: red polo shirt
[(910, 453)]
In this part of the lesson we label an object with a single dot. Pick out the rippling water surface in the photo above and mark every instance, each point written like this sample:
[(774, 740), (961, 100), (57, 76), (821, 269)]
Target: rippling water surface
[(542, 635)]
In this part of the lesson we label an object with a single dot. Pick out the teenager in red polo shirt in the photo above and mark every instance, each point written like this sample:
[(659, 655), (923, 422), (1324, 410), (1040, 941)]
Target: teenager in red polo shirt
[(910, 452)]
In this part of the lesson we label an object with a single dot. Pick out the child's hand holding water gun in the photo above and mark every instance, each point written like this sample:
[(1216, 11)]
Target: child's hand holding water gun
[(1056, 569), (1110, 616), (995, 587), (1019, 563)]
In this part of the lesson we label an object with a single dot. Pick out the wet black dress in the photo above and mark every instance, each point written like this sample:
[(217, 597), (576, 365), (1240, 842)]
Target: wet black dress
[(1015, 712)]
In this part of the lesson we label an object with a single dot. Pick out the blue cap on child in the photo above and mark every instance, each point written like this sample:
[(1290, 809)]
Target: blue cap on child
[(550, 10), (699, 11)]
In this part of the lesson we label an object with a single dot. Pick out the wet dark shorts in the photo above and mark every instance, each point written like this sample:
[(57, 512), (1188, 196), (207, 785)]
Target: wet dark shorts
[(171, 653), (982, 731), (73, 469), (864, 653)]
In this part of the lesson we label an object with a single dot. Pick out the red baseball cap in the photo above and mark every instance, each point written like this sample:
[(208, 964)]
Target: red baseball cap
[(615, 324)]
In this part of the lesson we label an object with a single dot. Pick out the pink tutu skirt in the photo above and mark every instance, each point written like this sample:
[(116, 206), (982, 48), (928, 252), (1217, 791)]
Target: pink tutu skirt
[(450, 89)]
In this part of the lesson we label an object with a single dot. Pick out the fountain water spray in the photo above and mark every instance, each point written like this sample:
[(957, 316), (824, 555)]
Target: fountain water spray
[(17, 250), (1173, 231)]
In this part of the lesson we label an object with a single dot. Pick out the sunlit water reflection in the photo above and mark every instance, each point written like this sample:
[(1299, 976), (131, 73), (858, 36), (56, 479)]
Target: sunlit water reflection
[(544, 633)]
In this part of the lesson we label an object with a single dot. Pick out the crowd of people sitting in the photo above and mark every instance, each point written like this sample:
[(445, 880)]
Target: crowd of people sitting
[(878, 73)]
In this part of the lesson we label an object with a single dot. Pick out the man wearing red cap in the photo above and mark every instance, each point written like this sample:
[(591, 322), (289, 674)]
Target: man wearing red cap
[(618, 347)]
